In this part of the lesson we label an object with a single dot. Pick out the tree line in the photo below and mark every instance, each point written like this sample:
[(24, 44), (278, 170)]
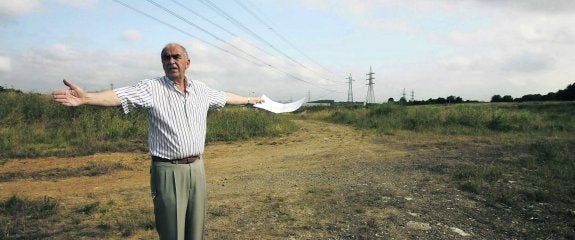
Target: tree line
[(567, 94), (439, 100)]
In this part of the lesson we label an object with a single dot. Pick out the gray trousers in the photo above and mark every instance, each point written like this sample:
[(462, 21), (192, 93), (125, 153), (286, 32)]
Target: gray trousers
[(179, 196)]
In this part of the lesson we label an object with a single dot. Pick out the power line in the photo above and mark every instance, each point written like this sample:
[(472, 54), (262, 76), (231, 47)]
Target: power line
[(278, 34), (231, 19), (218, 38), (180, 30), (234, 21), (228, 31), (203, 30), (204, 18), (210, 44), (218, 26)]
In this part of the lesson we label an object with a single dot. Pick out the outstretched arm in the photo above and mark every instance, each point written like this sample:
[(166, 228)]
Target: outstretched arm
[(74, 96), (235, 99)]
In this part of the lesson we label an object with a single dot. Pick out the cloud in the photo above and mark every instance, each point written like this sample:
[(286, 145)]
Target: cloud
[(21, 7), (42, 69), (488, 47), (554, 6), (95, 70), (385, 25), (60, 52), (5, 64), (132, 36), (226, 72), (526, 63), (16, 8), (78, 3)]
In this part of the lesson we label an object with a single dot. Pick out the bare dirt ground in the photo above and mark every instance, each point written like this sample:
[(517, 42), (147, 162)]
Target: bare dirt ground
[(325, 181)]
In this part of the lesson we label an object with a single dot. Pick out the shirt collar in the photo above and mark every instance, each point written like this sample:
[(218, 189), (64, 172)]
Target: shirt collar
[(171, 83)]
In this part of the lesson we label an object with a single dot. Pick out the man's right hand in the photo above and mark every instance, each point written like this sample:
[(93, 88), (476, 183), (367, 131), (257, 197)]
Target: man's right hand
[(73, 96)]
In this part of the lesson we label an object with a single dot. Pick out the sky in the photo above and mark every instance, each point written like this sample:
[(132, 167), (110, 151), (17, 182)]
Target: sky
[(292, 49)]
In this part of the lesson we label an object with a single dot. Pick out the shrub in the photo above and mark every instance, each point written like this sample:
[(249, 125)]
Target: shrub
[(235, 123), (31, 125), (461, 118), (18, 207)]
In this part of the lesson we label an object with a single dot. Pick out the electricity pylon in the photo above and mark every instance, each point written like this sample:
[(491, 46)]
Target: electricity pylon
[(370, 98), (350, 90)]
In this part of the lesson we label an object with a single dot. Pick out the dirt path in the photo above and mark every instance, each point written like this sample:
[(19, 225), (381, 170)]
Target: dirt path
[(325, 181), (331, 182)]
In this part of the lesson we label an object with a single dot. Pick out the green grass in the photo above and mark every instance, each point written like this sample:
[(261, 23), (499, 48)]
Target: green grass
[(19, 217), (91, 169), (237, 123), (541, 132), (468, 119), (45, 217), (32, 125), (534, 166), (17, 206), (89, 208), (522, 153), (545, 173)]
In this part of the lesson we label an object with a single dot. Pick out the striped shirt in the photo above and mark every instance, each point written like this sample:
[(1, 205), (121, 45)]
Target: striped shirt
[(176, 121)]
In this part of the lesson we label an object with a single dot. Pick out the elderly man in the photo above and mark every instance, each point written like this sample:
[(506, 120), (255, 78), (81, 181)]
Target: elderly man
[(177, 110)]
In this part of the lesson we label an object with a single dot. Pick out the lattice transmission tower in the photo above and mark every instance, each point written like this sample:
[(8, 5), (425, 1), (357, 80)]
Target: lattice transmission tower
[(370, 97), (350, 89)]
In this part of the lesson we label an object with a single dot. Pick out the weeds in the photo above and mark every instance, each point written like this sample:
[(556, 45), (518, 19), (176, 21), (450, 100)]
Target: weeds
[(553, 167), (543, 173), (130, 222), (546, 173), (89, 208), (23, 218), (478, 178), (91, 169), (236, 123), (18, 216), (31, 125), (467, 119), (219, 211), (17, 206), (536, 179)]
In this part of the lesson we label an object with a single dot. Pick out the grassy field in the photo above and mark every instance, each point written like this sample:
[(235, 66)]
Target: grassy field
[(31, 125), (501, 171), (542, 131), (541, 169)]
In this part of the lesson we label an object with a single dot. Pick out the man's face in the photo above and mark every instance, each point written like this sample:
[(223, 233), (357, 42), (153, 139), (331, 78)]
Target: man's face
[(175, 62)]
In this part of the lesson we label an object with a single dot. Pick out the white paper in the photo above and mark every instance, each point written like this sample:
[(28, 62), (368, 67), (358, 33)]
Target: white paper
[(276, 107)]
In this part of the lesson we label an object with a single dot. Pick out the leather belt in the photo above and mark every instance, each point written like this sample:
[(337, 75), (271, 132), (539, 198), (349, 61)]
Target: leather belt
[(186, 160)]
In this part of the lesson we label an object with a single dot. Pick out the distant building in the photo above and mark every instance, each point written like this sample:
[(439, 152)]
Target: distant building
[(325, 103), (348, 104), (332, 103)]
